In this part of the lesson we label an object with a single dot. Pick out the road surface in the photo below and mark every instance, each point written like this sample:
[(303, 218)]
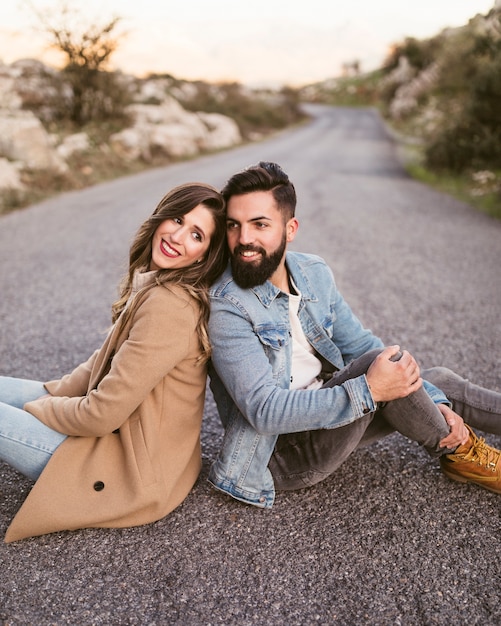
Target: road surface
[(387, 540)]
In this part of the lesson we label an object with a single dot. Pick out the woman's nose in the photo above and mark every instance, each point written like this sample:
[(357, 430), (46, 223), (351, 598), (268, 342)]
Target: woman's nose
[(177, 234)]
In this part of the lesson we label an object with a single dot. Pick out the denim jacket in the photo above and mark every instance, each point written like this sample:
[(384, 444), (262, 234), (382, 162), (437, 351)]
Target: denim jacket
[(251, 368)]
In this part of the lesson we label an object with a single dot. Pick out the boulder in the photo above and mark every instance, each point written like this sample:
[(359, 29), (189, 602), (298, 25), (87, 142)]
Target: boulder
[(132, 143), (78, 142), (10, 178), (23, 138), (177, 140), (223, 131), (170, 130), (9, 98)]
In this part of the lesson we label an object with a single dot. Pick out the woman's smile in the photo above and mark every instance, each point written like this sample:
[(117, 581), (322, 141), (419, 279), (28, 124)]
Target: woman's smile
[(168, 250)]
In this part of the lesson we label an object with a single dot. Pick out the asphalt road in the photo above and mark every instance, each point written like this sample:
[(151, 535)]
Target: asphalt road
[(387, 540)]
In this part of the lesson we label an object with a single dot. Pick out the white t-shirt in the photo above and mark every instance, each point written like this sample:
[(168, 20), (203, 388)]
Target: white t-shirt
[(305, 365)]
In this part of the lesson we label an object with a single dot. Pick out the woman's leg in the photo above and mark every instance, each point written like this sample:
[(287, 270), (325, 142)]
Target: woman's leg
[(18, 391), (25, 443)]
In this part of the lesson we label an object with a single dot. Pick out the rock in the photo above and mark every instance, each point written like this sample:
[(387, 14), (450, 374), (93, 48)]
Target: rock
[(223, 131), (10, 178), (177, 140), (170, 130), (78, 142), (132, 143), (23, 138), (9, 98)]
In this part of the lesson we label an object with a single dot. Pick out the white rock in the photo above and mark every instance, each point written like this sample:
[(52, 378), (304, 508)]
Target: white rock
[(9, 98), (10, 176), (132, 143), (78, 142), (23, 138), (223, 131), (177, 140)]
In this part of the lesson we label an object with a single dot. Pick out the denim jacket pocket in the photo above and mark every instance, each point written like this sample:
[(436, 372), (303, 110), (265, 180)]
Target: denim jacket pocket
[(328, 322), (273, 336)]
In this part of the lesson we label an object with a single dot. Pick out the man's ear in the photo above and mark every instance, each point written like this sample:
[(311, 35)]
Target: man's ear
[(291, 229)]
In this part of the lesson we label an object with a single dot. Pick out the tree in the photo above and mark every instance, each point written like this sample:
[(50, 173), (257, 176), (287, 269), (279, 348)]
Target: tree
[(97, 93)]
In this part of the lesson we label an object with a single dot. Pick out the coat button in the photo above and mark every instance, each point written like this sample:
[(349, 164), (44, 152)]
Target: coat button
[(99, 485)]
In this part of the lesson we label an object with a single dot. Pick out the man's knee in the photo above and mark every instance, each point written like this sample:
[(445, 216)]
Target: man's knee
[(439, 376)]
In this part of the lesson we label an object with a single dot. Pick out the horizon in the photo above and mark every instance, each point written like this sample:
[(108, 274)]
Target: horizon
[(224, 42)]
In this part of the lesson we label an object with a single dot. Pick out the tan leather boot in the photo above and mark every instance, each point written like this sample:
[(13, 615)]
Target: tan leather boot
[(474, 462)]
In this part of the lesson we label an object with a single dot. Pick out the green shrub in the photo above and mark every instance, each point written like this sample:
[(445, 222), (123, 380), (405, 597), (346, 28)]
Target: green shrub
[(472, 138)]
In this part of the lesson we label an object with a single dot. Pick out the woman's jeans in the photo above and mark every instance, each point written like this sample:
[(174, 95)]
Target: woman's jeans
[(303, 459), (25, 442)]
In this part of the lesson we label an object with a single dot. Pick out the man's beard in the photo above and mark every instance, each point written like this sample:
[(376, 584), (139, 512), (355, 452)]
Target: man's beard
[(249, 274)]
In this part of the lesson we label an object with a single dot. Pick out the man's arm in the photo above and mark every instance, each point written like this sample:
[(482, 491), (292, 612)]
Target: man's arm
[(240, 360)]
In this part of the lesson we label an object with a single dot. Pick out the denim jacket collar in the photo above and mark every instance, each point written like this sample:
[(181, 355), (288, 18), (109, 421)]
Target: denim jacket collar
[(267, 292)]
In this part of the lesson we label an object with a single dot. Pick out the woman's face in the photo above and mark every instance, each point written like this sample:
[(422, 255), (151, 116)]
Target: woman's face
[(182, 241)]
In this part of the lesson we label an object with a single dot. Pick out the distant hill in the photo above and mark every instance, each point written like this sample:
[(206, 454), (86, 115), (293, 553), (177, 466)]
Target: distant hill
[(445, 92)]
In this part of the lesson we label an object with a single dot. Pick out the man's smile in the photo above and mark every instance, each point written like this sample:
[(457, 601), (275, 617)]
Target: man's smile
[(248, 253)]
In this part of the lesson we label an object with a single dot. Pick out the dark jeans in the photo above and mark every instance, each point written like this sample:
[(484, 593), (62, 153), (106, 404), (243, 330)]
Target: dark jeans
[(303, 459)]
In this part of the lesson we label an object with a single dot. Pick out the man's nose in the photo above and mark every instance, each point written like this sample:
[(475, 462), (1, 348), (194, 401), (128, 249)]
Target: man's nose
[(245, 236)]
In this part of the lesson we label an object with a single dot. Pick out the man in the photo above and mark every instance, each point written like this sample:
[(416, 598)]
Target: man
[(300, 383)]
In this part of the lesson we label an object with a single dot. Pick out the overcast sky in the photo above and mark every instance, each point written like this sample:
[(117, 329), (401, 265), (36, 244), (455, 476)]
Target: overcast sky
[(255, 42)]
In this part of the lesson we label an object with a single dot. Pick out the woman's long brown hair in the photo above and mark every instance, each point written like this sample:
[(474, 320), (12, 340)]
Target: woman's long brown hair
[(195, 278)]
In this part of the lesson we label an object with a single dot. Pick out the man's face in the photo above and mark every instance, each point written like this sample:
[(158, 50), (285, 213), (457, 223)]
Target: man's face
[(257, 237)]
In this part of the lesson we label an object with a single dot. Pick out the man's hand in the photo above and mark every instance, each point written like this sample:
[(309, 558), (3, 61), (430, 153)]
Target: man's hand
[(389, 380), (459, 433)]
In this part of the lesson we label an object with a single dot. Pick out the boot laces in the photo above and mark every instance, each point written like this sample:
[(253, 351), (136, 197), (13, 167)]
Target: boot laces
[(483, 454)]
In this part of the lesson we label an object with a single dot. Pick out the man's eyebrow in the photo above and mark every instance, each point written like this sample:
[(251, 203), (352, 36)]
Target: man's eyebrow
[(260, 218)]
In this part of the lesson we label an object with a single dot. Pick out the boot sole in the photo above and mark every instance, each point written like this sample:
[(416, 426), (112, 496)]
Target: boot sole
[(461, 479)]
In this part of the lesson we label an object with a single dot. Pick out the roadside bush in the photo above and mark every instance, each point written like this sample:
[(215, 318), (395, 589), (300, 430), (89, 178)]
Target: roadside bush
[(96, 95), (472, 139), (92, 93), (419, 53)]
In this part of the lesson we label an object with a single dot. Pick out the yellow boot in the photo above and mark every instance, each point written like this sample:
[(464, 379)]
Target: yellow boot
[(474, 462)]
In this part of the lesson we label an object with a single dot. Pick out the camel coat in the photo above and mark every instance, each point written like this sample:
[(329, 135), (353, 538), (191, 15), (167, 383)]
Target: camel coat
[(133, 414)]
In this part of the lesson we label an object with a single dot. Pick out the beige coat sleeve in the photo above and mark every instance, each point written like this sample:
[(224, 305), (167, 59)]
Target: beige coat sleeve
[(76, 383), (160, 335)]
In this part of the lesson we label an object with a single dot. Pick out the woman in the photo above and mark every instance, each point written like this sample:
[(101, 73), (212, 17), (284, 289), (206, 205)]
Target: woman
[(116, 443)]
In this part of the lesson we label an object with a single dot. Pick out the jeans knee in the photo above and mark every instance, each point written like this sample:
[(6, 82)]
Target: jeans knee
[(440, 376)]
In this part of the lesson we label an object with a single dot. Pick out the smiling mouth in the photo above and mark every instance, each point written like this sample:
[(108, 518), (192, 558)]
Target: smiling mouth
[(167, 250), (248, 254)]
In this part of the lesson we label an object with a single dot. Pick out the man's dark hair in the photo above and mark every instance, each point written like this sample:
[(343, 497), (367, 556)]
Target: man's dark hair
[(264, 176)]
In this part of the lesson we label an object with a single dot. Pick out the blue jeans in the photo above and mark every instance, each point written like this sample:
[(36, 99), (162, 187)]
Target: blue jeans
[(25, 442), (305, 458)]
